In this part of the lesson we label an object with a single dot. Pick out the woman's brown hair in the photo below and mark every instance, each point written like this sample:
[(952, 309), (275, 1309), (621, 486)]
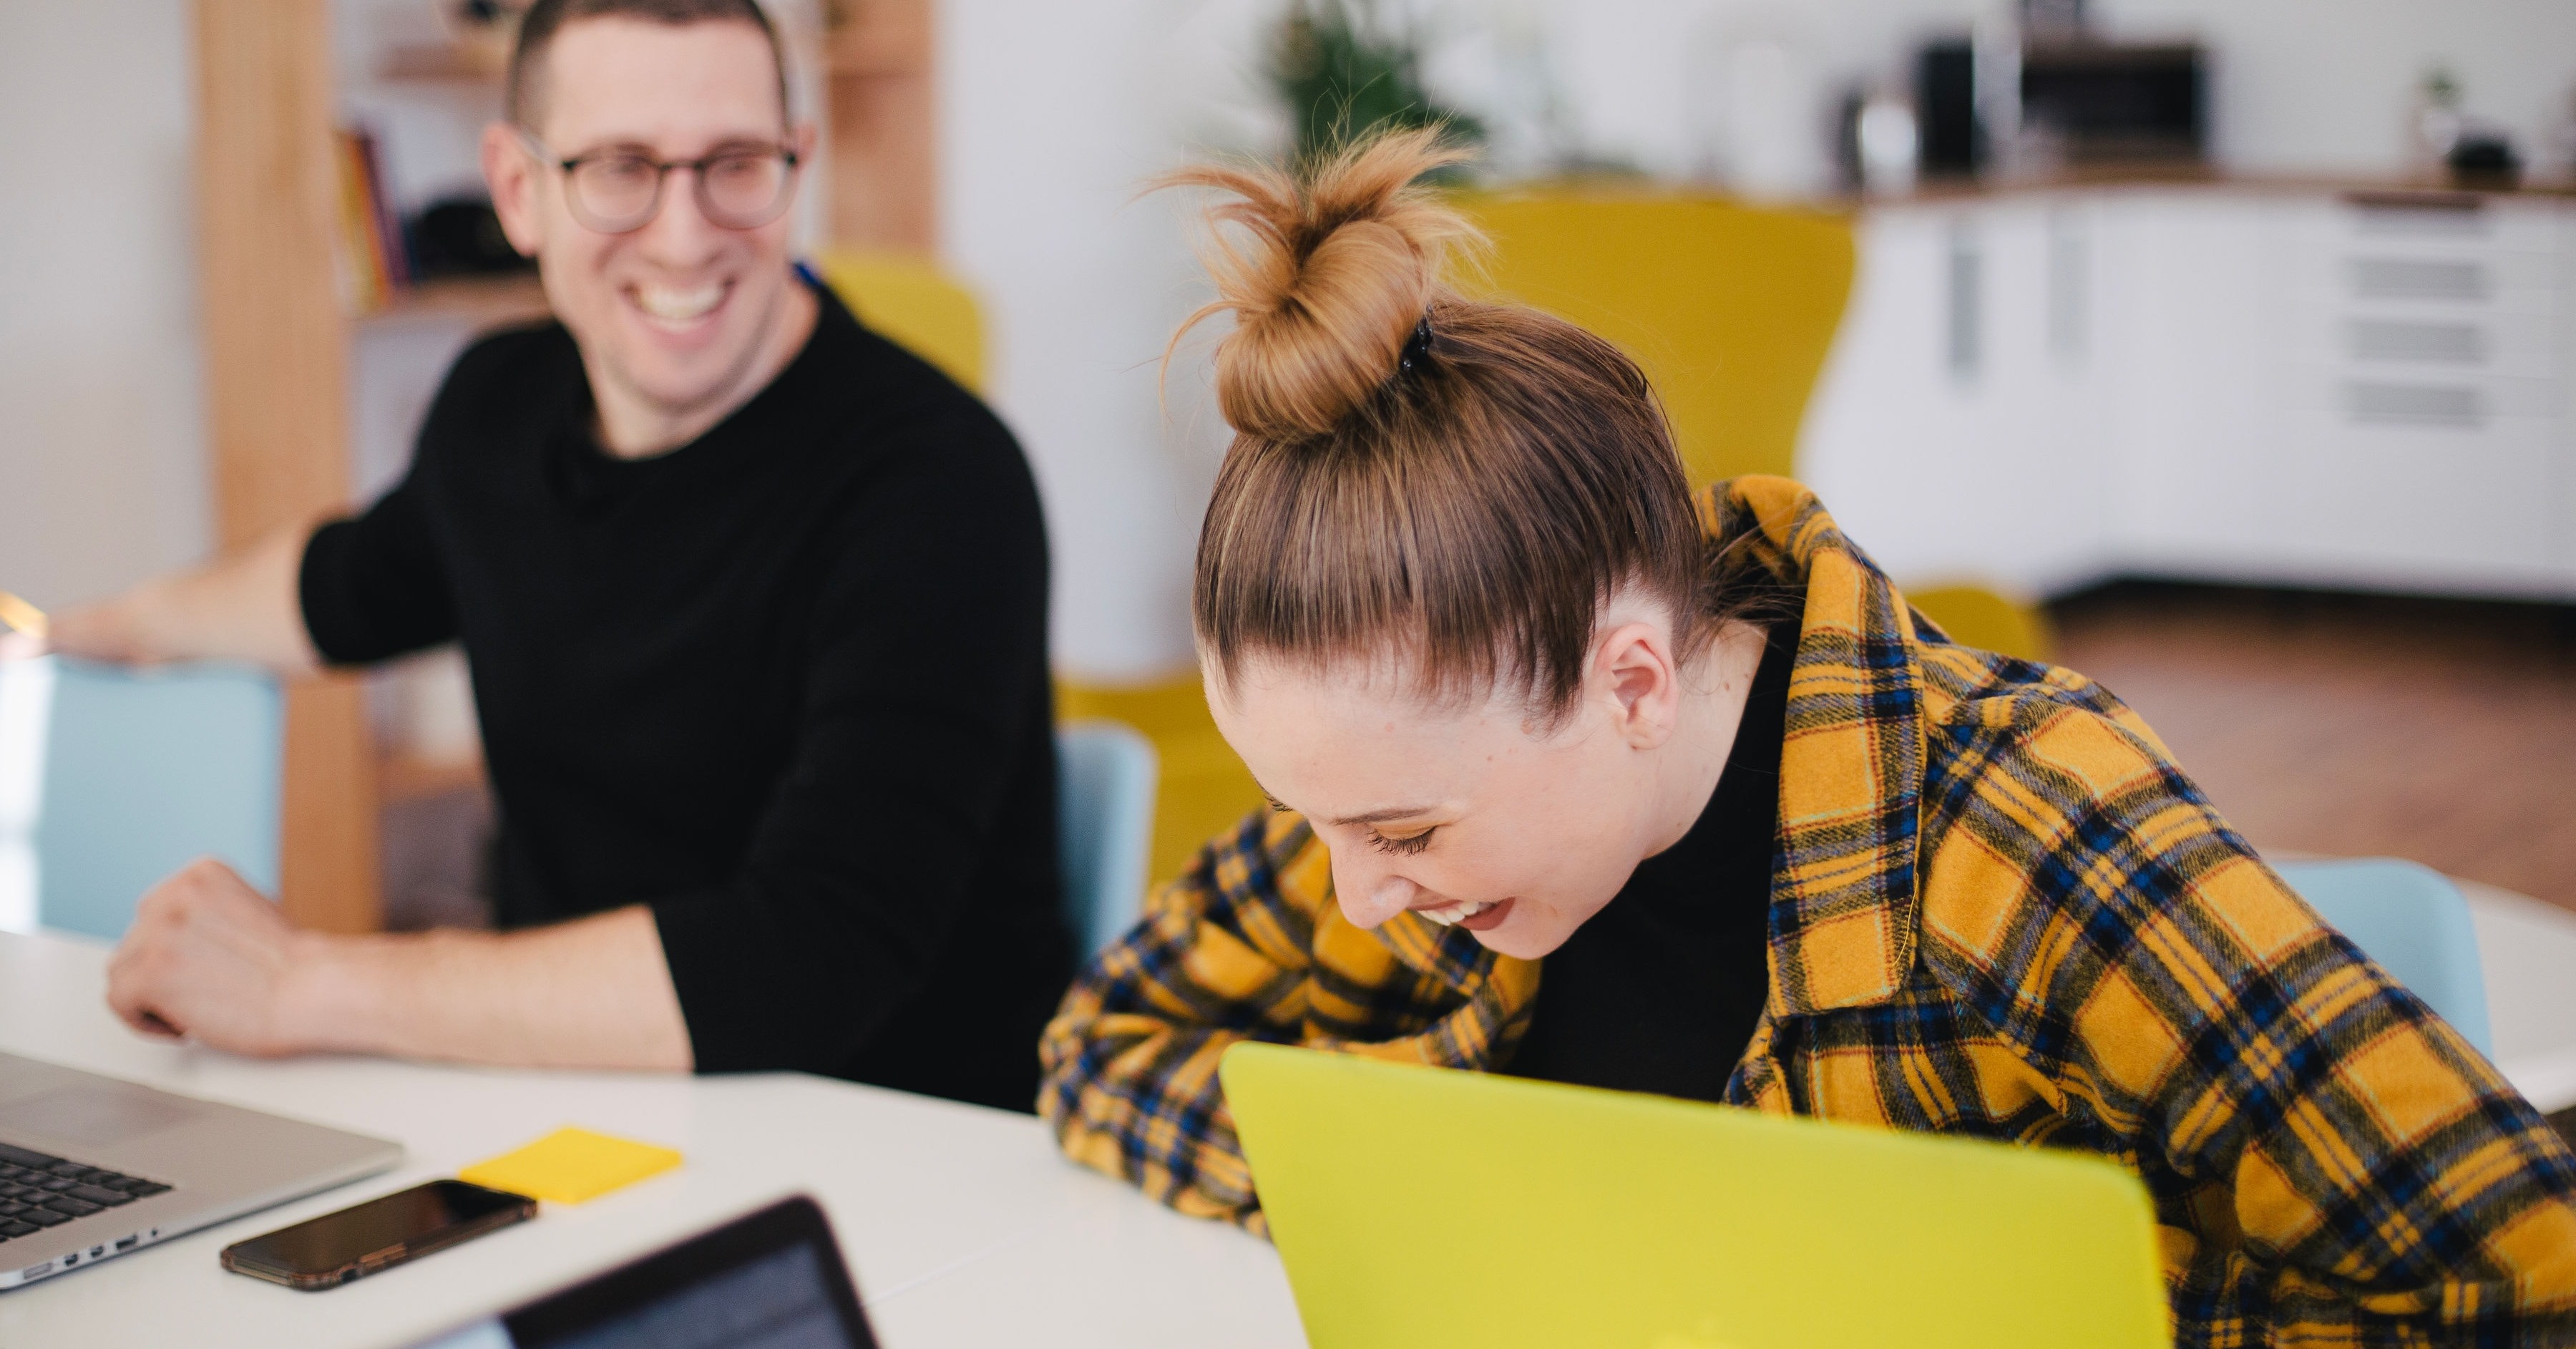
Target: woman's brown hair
[(1464, 483)]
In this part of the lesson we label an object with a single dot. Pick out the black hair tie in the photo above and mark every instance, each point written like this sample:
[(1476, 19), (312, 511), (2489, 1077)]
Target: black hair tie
[(1415, 347)]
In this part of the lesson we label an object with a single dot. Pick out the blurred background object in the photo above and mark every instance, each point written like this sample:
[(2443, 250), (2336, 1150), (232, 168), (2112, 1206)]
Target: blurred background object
[(1341, 68), (460, 236), (2116, 103)]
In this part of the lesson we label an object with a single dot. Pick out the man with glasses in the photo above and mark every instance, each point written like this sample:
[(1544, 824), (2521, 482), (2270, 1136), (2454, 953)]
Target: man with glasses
[(755, 604)]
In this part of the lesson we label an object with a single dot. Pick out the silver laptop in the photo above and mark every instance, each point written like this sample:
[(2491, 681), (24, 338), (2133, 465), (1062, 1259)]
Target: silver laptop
[(92, 1167)]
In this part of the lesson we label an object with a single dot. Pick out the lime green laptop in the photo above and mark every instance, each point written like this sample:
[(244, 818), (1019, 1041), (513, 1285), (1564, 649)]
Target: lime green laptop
[(1417, 1207)]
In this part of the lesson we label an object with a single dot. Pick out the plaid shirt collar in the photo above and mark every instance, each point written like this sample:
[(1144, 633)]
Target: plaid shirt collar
[(1844, 907)]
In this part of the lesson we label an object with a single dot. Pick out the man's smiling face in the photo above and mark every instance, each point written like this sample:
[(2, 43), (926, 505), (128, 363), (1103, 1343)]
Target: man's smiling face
[(675, 314)]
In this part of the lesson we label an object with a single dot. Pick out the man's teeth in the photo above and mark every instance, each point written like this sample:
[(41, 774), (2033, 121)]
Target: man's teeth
[(678, 306), (1454, 910)]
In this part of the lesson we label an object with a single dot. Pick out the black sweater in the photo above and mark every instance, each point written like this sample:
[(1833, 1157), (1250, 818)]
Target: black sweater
[(1661, 990), (786, 684)]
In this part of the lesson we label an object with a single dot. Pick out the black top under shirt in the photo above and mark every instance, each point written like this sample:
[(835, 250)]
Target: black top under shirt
[(1661, 989), (786, 684)]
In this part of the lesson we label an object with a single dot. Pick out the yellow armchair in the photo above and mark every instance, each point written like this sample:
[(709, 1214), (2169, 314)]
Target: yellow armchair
[(1730, 308)]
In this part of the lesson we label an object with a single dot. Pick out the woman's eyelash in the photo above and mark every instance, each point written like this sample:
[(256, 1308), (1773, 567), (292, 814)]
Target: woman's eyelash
[(1405, 847)]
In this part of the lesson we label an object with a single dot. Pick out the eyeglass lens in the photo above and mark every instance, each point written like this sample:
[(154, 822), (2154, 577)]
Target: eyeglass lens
[(745, 190)]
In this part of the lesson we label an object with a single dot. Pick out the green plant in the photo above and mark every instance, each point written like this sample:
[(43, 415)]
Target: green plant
[(1342, 73)]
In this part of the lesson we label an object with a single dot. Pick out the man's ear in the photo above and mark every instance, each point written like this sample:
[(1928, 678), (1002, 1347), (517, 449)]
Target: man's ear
[(511, 172), (1633, 673)]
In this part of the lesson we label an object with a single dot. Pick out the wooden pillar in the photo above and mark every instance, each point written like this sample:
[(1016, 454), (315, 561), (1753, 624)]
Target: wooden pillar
[(276, 392), (883, 135)]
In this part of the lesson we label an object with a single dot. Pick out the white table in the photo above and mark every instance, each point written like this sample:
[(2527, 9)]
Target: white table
[(962, 1225), (2527, 951)]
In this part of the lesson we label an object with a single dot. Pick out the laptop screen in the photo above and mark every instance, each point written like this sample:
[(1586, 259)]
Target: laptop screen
[(769, 1280)]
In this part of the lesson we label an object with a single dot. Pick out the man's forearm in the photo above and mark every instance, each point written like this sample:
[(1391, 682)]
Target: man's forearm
[(243, 606), (592, 993)]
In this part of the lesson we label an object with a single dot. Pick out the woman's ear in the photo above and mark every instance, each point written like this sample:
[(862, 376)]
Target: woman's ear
[(1632, 673)]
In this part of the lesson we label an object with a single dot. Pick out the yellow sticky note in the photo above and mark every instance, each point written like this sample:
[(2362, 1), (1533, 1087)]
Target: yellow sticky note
[(571, 1165)]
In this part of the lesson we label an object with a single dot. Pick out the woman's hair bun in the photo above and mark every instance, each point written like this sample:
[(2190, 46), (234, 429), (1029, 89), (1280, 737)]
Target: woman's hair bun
[(1327, 272)]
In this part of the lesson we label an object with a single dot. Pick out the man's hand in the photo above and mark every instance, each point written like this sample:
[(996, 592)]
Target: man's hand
[(209, 957), (242, 607), (102, 632)]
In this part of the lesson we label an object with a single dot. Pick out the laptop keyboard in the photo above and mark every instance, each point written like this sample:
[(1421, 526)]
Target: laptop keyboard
[(38, 1191)]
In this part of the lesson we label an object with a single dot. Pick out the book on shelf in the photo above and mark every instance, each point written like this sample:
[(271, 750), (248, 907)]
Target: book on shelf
[(375, 264)]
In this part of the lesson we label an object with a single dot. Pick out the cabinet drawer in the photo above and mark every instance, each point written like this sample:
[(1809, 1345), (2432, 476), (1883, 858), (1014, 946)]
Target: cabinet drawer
[(2443, 219), (2395, 483), (2351, 395), (2377, 342), (2423, 282)]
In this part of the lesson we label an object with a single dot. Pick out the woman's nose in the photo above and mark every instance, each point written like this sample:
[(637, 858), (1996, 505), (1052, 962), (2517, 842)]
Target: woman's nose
[(1368, 900)]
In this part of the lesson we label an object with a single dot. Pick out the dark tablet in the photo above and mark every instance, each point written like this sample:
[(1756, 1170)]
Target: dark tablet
[(768, 1280)]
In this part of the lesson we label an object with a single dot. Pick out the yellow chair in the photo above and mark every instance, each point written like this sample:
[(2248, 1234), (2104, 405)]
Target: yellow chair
[(1989, 620), (1730, 308), (909, 299)]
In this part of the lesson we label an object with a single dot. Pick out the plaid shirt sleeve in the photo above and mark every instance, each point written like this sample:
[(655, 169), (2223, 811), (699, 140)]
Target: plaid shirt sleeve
[(2332, 1163), (1249, 945)]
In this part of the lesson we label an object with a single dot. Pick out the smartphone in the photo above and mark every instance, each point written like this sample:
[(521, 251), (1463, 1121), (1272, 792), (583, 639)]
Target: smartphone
[(328, 1251)]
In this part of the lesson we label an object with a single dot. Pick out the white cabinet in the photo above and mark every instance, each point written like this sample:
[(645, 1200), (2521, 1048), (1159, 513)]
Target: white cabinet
[(2190, 348), (2049, 388), (1953, 433), (2420, 398)]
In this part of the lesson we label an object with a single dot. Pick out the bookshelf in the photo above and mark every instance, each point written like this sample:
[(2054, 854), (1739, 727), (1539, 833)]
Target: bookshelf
[(485, 301), (880, 105), (277, 334), (268, 201)]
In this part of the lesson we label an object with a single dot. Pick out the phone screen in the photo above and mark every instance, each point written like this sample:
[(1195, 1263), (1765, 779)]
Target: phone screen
[(364, 1238)]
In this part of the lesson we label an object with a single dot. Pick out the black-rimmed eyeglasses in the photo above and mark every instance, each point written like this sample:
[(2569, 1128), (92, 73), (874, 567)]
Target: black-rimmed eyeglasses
[(740, 187)]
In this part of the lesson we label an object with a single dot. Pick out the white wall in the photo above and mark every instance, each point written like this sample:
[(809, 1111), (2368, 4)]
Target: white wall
[(102, 477), (2308, 86), (1052, 118)]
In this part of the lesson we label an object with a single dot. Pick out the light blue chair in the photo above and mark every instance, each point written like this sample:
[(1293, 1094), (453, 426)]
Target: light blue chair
[(2411, 920), (1106, 809), (136, 774)]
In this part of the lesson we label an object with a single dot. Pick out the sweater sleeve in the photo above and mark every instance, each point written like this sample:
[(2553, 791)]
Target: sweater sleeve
[(373, 587), (927, 640)]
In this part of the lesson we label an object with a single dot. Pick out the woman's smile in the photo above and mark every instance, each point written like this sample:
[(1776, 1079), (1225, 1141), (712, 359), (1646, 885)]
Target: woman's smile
[(1475, 915)]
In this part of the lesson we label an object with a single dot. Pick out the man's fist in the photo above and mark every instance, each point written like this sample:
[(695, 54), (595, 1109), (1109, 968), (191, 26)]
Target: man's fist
[(210, 958)]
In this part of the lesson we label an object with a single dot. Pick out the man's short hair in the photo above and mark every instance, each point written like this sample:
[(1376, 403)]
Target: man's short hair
[(524, 95)]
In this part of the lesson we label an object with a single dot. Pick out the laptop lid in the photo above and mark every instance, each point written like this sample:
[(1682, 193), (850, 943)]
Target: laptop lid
[(771, 1279), (1422, 1207)]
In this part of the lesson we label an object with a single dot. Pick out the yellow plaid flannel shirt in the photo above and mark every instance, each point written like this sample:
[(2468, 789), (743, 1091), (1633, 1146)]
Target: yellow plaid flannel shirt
[(1997, 909)]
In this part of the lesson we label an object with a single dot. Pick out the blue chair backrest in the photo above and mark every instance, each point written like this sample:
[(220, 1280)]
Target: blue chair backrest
[(140, 772), (1106, 809), (2411, 920)]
